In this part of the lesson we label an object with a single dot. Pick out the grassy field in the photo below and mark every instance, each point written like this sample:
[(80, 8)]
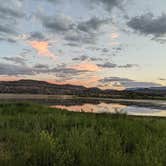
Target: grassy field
[(34, 135)]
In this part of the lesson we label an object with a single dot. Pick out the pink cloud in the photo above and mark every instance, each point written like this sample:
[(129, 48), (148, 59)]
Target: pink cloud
[(9, 78), (114, 35), (86, 65), (42, 48), (89, 82)]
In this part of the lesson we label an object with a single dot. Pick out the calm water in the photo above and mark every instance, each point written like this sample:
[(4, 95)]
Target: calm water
[(113, 108), (96, 105)]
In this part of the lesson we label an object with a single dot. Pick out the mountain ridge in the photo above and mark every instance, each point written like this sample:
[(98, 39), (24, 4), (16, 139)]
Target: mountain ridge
[(26, 86), (42, 87)]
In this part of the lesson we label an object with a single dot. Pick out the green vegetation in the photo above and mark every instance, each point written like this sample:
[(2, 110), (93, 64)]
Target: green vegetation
[(34, 135)]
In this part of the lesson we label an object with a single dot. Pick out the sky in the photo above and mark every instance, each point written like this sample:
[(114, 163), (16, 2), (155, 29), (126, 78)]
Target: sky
[(113, 44)]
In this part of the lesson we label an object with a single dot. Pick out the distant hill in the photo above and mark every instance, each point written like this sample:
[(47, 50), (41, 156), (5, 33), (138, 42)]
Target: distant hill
[(42, 87), (150, 90)]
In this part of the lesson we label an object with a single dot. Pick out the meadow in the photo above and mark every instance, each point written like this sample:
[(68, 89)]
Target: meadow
[(35, 135)]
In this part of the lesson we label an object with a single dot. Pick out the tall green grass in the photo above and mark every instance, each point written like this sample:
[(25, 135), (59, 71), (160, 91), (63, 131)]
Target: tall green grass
[(34, 135)]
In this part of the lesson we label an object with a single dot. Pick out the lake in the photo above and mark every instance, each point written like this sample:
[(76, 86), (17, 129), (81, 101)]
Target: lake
[(114, 108), (94, 105)]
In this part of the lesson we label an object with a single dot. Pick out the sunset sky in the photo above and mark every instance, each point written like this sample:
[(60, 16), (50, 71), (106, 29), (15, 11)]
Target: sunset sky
[(105, 43)]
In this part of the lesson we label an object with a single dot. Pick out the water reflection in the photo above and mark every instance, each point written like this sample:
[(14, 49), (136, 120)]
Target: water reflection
[(144, 111), (96, 105), (98, 108), (114, 108)]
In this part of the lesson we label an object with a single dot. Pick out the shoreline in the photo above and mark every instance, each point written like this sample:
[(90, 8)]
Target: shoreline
[(154, 104)]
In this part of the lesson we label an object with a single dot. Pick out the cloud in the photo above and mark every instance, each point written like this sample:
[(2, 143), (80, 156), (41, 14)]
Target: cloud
[(110, 4), (61, 71), (8, 33), (95, 59), (113, 65), (135, 84), (80, 37), (53, 1), (17, 60), (8, 39), (162, 79), (21, 70), (114, 35), (114, 79), (105, 50), (128, 66), (10, 8), (73, 44), (66, 73), (67, 28), (41, 66), (86, 66), (117, 49), (84, 31), (91, 25), (7, 29), (91, 81), (147, 24), (9, 78), (10, 15), (84, 57), (107, 65), (81, 58), (127, 83), (57, 23), (107, 4), (42, 48), (14, 70), (37, 36)]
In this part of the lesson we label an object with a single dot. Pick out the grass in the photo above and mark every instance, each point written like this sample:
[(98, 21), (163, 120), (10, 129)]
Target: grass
[(34, 135)]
